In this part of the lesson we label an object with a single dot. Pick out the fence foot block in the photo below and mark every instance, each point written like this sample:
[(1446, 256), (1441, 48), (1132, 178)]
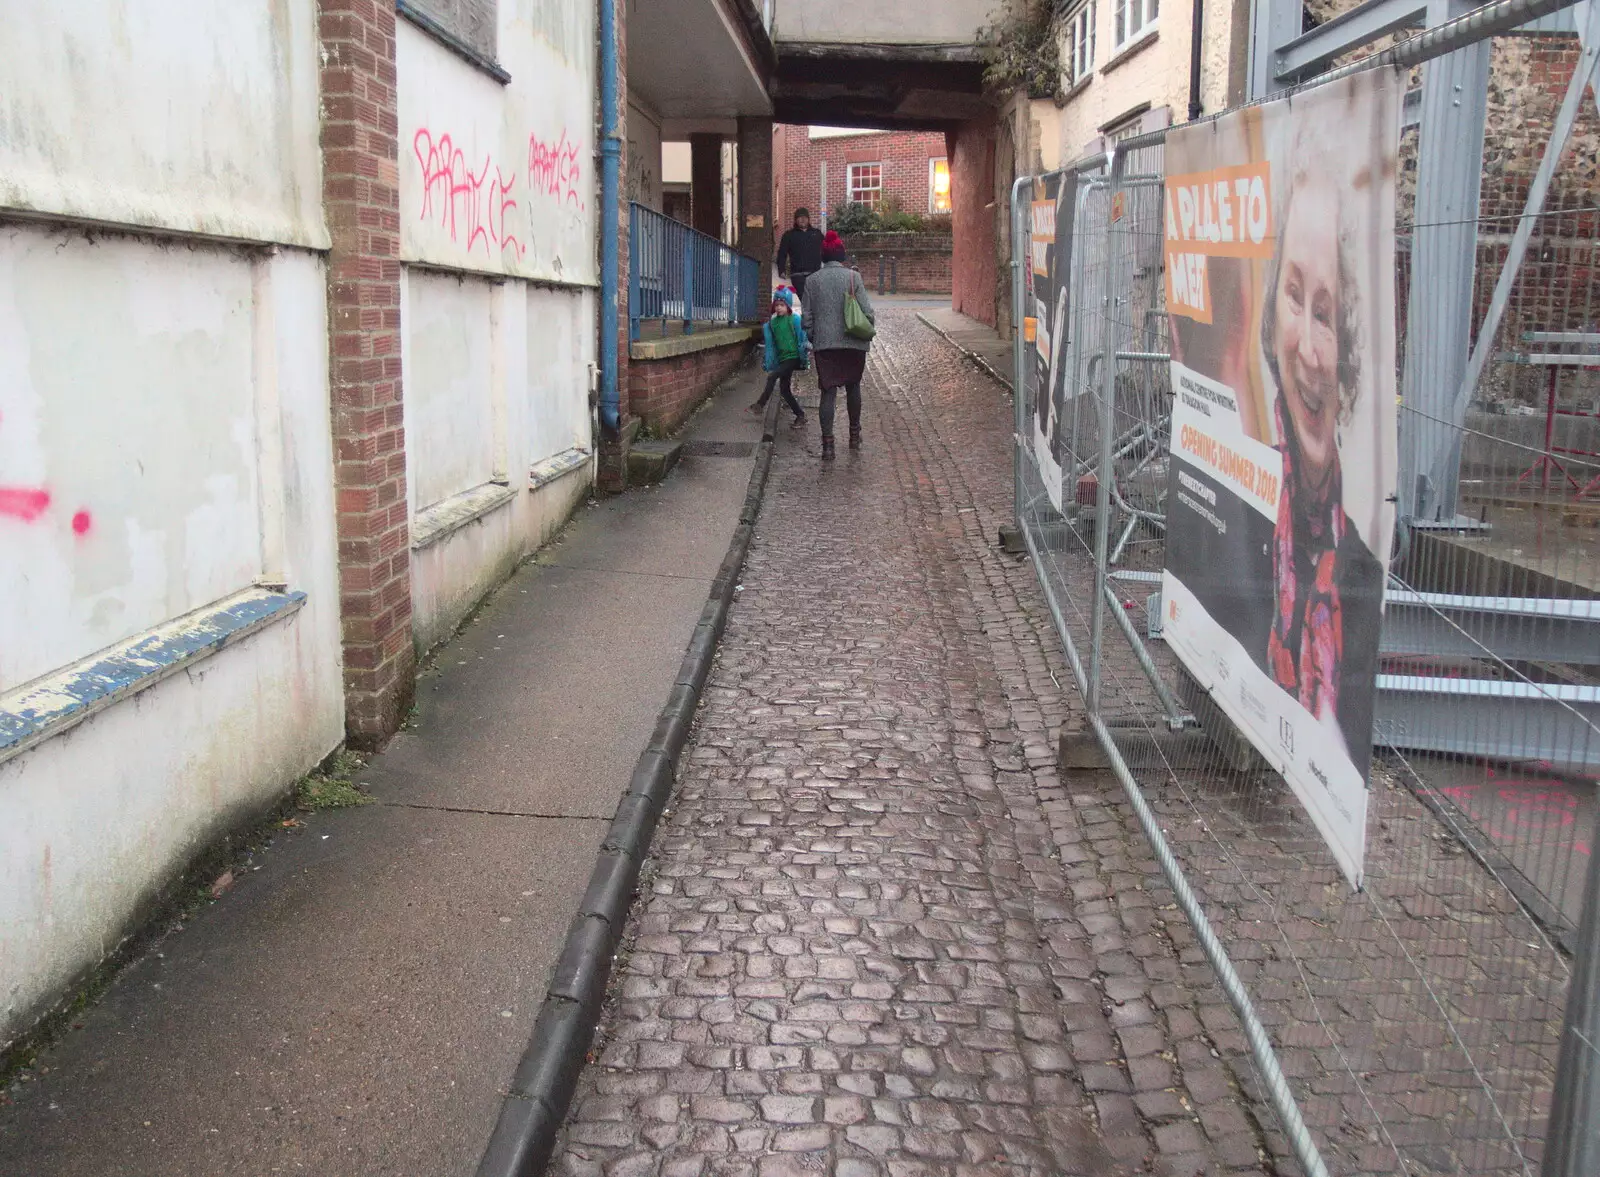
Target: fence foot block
[(1078, 750)]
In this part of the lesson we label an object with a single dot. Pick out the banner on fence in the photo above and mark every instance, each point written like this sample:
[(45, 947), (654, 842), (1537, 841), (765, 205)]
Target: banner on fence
[(1050, 281), (1279, 227)]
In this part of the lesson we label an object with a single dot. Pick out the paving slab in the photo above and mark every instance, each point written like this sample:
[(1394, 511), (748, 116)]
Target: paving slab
[(352, 1008), (980, 342)]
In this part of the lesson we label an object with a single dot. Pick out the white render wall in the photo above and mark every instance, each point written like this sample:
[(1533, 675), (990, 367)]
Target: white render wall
[(1149, 70), (884, 22), (499, 213), (164, 445), (226, 144)]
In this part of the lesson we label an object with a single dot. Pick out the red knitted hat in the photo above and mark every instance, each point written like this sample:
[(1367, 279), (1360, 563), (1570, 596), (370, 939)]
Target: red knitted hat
[(833, 249)]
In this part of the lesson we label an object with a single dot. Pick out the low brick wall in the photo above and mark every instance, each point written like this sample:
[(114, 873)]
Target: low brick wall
[(668, 378), (912, 263)]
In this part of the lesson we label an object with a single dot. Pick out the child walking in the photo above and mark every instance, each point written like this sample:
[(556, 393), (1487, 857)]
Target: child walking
[(786, 344)]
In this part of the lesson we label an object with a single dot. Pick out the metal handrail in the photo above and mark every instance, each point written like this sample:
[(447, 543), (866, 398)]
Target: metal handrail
[(677, 274)]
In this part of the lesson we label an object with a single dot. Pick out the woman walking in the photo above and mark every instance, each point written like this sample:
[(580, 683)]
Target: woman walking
[(840, 322)]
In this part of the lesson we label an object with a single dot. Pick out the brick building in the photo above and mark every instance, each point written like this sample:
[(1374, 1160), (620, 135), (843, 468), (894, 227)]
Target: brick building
[(823, 168)]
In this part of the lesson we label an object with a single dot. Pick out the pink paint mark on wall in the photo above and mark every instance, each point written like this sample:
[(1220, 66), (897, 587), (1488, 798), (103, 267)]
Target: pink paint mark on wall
[(463, 202), (81, 523), (24, 503), (556, 169)]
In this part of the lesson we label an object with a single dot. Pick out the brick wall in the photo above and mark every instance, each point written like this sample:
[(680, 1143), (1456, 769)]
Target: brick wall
[(664, 392), (1557, 288), (974, 268), (755, 194), (798, 159), (917, 263), (361, 194)]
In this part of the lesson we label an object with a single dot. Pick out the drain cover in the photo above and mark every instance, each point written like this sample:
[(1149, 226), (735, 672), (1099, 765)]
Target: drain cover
[(718, 449)]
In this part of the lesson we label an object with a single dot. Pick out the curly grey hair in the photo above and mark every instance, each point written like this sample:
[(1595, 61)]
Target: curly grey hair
[(1348, 365)]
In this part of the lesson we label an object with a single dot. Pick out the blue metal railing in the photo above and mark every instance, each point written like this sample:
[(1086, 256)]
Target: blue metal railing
[(676, 275)]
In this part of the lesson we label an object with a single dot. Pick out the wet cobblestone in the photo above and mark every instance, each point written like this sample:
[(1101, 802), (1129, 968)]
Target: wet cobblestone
[(879, 934)]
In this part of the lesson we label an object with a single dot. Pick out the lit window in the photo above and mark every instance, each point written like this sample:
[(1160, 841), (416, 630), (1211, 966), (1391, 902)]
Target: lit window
[(1132, 19), (938, 185), (866, 183), (1079, 45)]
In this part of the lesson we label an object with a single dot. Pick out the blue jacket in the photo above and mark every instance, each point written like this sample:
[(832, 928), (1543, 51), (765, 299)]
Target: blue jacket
[(770, 360)]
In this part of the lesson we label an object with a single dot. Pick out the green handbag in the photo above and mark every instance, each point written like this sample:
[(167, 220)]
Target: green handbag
[(856, 323)]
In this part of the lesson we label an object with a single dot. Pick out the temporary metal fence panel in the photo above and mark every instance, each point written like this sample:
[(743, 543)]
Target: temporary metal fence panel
[(1413, 1026), (678, 277)]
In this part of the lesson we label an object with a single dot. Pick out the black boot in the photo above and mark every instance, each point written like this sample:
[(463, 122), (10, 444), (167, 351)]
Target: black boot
[(827, 448), (855, 437)]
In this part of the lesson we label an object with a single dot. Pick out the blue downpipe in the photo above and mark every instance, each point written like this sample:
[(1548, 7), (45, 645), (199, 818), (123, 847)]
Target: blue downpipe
[(610, 220)]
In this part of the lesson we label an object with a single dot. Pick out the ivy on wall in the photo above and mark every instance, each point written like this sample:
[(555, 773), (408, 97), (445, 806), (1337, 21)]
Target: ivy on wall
[(1022, 50)]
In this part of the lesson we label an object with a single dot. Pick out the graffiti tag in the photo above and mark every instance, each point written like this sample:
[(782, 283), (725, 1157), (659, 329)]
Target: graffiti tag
[(28, 503), (556, 169), (465, 203)]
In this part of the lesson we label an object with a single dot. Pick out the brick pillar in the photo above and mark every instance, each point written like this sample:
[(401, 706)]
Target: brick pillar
[(612, 475), (755, 198), (361, 199), (705, 183)]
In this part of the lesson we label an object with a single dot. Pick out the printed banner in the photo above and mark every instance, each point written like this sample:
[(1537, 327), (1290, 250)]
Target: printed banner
[(1280, 263), (1050, 284)]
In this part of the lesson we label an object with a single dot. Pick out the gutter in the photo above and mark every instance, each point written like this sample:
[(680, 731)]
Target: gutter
[(1195, 33)]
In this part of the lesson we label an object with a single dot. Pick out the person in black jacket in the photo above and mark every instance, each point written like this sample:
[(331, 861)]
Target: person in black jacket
[(800, 252)]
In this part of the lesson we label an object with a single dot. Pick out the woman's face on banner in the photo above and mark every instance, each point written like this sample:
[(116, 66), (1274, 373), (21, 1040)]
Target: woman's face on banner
[(1308, 325)]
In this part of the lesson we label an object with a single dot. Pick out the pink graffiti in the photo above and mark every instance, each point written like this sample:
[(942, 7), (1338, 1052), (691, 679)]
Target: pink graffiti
[(28, 503), (24, 503), (464, 203), (1529, 803), (555, 169)]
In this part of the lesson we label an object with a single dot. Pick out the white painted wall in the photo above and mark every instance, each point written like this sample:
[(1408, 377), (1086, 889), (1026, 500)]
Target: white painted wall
[(498, 195), (126, 396), (451, 366), (883, 22), (1157, 73), (644, 157), (164, 444), (503, 178), (226, 144), (185, 408)]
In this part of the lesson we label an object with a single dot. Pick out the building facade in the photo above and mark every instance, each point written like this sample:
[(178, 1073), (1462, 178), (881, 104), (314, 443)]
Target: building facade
[(825, 168)]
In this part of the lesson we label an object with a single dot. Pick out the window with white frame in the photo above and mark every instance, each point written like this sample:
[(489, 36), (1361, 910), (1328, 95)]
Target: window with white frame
[(938, 186), (1132, 19), (866, 184), (1078, 44)]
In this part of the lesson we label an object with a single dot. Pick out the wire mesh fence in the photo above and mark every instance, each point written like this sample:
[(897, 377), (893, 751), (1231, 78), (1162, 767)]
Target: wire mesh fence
[(1413, 1021)]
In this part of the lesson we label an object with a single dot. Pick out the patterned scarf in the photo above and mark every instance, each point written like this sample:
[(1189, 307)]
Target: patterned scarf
[(1307, 642)]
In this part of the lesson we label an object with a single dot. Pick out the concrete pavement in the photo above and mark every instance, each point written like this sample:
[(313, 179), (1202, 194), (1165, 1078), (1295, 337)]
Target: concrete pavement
[(356, 1005)]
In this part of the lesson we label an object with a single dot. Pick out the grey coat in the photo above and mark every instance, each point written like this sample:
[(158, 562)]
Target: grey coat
[(823, 307)]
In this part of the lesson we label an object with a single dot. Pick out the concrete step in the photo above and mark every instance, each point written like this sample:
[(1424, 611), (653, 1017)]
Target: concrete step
[(651, 461)]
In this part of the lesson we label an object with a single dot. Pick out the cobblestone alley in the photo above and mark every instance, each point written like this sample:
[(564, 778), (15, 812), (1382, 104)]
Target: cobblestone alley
[(879, 933)]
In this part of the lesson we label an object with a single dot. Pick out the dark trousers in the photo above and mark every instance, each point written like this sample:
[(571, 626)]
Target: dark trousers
[(852, 404), (781, 376), (798, 281)]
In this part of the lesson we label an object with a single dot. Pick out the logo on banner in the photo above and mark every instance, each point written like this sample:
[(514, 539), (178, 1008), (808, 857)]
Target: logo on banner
[(1043, 235), (1222, 213)]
